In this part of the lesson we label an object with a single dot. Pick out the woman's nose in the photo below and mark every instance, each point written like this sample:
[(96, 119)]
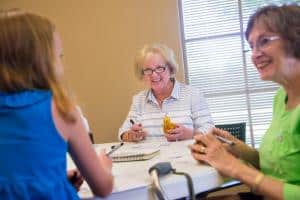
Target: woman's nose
[(256, 53)]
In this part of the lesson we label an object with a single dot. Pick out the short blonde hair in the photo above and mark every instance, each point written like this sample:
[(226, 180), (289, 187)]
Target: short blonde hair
[(166, 52), (27, 57)]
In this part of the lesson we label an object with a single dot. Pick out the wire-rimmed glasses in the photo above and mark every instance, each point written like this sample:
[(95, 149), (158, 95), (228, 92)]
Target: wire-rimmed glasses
[(263, 42)]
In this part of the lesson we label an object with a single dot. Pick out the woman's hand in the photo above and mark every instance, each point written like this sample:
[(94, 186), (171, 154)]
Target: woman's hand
[(240, 149), (135, 134), (209, 149), (75, 178), (180, 132)]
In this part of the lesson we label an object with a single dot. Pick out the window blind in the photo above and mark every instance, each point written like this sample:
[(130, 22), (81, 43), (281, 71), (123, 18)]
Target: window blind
[(217, 61)]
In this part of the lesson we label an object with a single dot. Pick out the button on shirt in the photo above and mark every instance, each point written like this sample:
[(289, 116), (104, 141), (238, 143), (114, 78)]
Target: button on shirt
[(186, 105)]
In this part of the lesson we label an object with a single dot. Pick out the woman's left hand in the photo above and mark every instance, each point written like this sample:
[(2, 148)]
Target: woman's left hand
[(208, 149), (180, 132)]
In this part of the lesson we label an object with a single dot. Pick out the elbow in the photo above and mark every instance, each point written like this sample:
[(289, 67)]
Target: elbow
[(103, 190)]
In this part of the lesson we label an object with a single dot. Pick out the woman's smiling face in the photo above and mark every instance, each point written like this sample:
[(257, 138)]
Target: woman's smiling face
[(156, 81), (268, 54)]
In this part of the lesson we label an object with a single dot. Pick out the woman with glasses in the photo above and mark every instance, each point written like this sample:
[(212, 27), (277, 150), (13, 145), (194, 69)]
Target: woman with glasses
[(184, 105), (273, 33)]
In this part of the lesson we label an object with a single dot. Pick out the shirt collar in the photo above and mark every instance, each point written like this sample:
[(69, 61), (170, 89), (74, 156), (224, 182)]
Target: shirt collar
[(174, 94)]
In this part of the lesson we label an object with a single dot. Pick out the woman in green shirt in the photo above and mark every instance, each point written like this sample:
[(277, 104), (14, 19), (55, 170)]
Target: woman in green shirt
[(273, 33)]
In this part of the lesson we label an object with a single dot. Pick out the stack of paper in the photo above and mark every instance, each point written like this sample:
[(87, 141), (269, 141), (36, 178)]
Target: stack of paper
[(132, 152)]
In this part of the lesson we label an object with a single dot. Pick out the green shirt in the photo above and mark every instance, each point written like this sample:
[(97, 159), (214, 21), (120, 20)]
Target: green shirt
[(280, 148)]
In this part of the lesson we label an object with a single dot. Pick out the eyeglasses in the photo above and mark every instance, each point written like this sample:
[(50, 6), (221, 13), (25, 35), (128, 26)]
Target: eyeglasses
[(263, 42), (159, 69)]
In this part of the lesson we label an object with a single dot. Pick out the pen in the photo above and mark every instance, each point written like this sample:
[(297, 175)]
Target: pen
[(114, 148), (225, 140)]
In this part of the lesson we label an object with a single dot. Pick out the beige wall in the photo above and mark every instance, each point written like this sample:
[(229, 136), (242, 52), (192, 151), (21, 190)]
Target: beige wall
[(100, 39)]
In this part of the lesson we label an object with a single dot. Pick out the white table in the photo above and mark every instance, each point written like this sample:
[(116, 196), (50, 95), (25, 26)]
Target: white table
[(132, 180)]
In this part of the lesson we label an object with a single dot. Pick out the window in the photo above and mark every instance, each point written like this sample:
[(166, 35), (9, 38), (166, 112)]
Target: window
[(217, 61)]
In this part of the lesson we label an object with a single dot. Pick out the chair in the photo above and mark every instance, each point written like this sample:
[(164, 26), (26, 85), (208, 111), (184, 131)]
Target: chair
[(238, 130)]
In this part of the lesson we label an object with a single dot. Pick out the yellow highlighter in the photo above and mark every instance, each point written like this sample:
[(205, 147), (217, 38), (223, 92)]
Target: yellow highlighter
[(168, 125)]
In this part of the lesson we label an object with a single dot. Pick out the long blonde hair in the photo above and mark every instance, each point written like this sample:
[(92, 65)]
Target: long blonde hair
[(27, 57)]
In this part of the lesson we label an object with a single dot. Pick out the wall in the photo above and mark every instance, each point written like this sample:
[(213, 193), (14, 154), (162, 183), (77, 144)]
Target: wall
[(100, 39)]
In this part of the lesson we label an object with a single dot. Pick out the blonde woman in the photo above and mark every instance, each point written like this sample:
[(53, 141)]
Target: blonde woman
[(186, 106)]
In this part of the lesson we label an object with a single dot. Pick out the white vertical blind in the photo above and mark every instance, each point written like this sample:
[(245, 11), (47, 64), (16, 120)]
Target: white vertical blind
[(216, 62)]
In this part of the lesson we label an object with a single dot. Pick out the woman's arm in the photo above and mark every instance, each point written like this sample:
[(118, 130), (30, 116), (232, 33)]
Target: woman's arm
[(131, 127), (209, 150), (265, 185), (95, 169)]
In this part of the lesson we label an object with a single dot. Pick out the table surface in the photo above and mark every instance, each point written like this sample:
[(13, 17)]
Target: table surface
[(132, 180)]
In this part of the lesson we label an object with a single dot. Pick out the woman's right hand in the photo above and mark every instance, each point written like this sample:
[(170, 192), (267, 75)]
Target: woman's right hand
[(208, 149), (135, 134), (233, 149)]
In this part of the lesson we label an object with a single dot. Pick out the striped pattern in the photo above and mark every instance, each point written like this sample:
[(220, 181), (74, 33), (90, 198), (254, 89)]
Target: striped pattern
[(186, 106)]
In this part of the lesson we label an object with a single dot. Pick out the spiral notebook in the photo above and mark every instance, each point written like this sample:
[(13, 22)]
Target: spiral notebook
[(133, 153)]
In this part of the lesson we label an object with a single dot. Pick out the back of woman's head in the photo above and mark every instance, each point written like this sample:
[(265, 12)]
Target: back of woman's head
[(26, 51), (27, 57), (283, 20)]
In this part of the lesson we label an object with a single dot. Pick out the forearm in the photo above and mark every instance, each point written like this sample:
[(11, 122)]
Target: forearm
[(246, 153), (133, 115), (261, 183)]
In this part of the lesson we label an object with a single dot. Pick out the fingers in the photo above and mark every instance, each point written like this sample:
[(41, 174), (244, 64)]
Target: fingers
[(134, 136), (173, 137), (79, 180), (137, 127), (136, 133), (198, 152), (75, 178), (137, 136), (70, 172), (179, 133), (198, 148), (206, 139), (222, 133), (173, 131), (174, 134)]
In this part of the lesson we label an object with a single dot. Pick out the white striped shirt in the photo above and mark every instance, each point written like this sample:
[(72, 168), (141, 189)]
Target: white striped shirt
[(186, 105)]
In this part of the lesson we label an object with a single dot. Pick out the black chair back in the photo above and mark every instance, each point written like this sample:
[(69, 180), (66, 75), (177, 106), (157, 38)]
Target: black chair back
[(238, 129)]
